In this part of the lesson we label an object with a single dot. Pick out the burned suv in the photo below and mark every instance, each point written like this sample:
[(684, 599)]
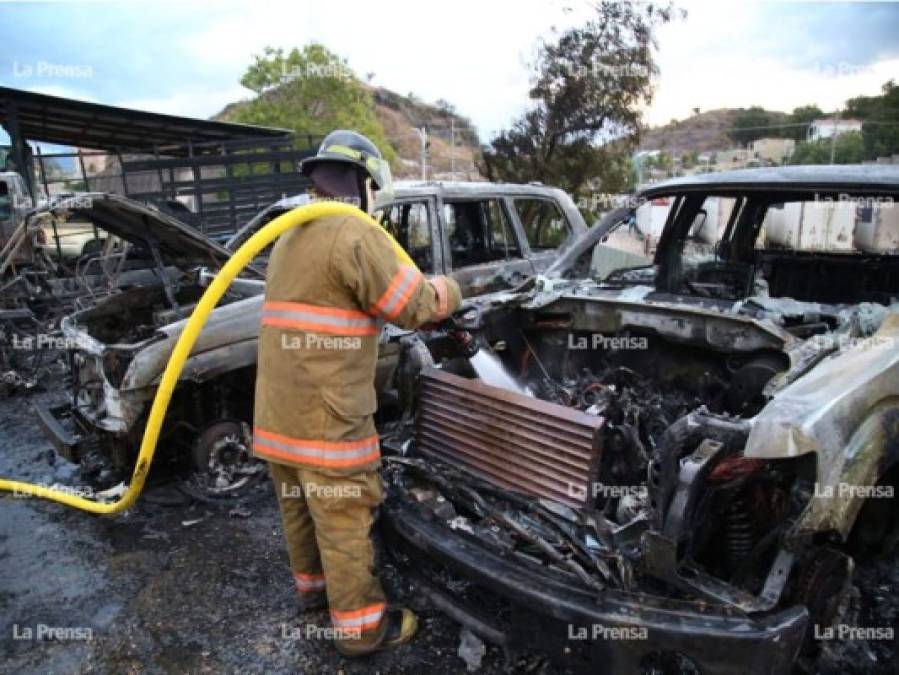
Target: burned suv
[(671, 467), (488, 236)]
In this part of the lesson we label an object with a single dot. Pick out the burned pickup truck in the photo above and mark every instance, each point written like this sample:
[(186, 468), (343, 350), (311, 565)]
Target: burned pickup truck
[(488, 236), (686, 458)]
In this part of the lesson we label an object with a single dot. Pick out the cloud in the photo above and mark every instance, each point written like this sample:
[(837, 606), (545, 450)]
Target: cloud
[(776, 55), (470, 53), (824, 35), (200, 102), (188, 58)]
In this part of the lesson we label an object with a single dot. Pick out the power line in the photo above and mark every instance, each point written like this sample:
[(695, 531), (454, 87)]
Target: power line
[(791, 124)]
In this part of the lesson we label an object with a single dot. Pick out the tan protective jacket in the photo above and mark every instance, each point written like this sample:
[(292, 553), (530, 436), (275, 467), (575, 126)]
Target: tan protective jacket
[(331, 285)]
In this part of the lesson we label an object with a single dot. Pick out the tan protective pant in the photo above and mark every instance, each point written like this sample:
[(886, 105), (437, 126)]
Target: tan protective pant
[(327, 523)]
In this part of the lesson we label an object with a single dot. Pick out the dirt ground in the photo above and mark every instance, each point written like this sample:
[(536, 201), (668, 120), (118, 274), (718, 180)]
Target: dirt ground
[(165, 589), (190, 588)]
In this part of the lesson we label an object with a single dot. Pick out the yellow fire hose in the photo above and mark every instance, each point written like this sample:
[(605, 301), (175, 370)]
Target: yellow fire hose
[(183, 347)]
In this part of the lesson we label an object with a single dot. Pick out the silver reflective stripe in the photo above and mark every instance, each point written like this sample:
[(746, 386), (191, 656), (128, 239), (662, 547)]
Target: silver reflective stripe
[(393, 306), (315, 317), (358, 621), (310, 585), (312, 452)]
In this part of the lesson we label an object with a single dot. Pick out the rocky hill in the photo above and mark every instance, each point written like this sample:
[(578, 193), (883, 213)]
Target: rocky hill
[(453, 149), (705, 132), (401, 115)]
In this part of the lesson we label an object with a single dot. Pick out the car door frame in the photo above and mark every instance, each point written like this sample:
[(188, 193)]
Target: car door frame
[(468, 274), (540, 259), (434, 225)]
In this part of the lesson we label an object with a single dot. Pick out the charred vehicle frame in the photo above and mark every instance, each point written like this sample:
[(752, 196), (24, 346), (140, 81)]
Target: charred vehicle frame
[(668, 478), (123, 342)]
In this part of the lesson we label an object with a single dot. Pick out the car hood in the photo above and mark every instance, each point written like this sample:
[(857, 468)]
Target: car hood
[(142, 224), (586, 241)]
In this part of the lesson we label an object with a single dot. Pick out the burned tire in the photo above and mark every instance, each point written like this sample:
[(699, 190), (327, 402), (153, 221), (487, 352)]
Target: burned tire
[(876, 530), (824, 586), (223, 469)]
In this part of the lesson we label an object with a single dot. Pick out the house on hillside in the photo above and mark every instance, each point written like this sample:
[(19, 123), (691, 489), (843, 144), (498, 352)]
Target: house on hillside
[(732, 158), (773, 150), (828, 127)]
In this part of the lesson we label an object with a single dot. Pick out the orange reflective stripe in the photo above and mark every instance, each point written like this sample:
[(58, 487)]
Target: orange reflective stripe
[(317, 453), (309, 582), (312, 318), (394, 300), (359, 619)]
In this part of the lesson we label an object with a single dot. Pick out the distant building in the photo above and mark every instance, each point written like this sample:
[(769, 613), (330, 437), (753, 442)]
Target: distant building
[(828, 127), (773, 150), (732, 158)]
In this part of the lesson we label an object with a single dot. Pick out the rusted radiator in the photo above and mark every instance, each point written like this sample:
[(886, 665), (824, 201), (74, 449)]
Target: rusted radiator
[(515, 441)]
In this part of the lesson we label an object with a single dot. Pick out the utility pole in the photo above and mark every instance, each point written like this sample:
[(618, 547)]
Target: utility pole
[(423, 137), (453, 147), (833, 137)]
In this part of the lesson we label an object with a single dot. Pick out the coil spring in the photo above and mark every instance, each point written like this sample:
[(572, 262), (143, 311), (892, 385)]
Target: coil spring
[(739, 529)]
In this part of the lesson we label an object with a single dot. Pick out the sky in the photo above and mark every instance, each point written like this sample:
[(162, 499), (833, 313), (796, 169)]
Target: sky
[(187, 58)]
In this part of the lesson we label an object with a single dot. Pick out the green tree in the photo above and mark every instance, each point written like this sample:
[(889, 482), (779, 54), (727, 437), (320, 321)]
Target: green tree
[(589, 88), (310, 91), (849, 148), (689, 159), (803, 115), (746, 126), (881, 115)]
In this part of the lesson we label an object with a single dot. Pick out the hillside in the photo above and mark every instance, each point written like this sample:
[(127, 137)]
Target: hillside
[(400, 116), (705, 132)]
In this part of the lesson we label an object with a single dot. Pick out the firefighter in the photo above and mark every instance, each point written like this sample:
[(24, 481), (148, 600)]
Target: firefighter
[(329, 288)]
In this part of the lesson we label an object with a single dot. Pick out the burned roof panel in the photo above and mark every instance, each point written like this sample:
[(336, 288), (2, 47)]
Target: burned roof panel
[(861, 177)]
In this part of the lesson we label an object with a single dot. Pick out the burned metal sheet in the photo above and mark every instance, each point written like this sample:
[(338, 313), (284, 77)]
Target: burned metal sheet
[(520, 442)]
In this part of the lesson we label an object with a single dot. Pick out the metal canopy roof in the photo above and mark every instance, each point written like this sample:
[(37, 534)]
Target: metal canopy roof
[(64, 121)]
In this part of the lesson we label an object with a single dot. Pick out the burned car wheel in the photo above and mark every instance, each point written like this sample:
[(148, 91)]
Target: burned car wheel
[(223, 468), (824, 586)]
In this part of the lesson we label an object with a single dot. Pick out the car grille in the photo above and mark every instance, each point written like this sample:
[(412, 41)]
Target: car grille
[(512, 440)]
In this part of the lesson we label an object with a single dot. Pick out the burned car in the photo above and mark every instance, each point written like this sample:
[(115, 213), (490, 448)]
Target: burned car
[(128, 299), (674, 467), (488, 236)]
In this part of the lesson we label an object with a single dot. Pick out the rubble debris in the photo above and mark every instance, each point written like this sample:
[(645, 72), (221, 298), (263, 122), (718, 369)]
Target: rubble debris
[(240, 512), (471, 650)]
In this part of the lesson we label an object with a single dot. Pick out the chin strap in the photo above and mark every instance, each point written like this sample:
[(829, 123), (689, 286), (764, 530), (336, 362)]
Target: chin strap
[(363, 191)]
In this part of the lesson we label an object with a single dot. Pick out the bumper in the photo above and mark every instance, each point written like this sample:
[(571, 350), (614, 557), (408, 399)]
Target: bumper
[(52, 421), (623, 632)]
